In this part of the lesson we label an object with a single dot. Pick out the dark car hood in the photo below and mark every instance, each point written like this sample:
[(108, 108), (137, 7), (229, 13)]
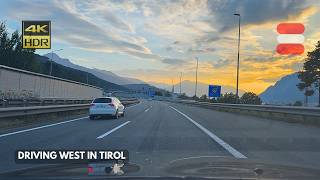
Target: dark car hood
[(205, 167), (229, 168)]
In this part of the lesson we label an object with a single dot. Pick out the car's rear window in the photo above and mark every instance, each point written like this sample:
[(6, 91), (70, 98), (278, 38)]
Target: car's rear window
[(102, 100)]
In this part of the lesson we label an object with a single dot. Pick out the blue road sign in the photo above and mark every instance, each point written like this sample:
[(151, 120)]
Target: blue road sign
[(214, 91), (151, 93)]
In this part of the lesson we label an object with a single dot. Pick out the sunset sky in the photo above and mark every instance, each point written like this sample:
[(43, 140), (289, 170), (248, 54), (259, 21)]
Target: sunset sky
[(156, 40)]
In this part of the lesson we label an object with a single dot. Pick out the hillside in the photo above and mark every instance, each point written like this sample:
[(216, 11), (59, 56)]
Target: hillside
[(41, 64), (61, 71), (285, 91), (102, 74), (142, 87)]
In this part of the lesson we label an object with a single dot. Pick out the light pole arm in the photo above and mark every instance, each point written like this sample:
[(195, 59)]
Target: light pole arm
[(50, 72)]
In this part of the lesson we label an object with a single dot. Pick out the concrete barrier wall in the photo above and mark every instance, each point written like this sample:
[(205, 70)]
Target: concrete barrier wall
[(19, 81)]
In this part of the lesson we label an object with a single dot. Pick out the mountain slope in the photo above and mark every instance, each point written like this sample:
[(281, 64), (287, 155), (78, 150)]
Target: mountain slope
[(110, 76), (285, 91), (142, 87), (161, 85), (65, 72), (103, 74)]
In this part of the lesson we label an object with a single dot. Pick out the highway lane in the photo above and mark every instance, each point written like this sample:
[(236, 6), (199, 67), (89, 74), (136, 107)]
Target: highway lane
[(260, 138), (79, 134), (155, 133), (160, 136)]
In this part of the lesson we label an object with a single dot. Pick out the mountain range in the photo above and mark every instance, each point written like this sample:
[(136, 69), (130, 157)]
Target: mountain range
[(102, 74), (285, 91), (65, 72)]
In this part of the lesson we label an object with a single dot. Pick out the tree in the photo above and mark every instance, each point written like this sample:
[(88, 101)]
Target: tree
[(310, 75), (227, 98), (250, 98), (308, 91), (195, 97), (203, 97), (183, 96), (167, 94), (213, 100), (297, 103), (11, 52), (158, 93)]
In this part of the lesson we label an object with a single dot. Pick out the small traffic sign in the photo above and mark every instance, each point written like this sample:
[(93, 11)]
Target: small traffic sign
[(214, 91)]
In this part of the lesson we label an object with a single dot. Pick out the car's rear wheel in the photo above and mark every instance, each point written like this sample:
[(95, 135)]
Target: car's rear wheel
[(116, 116), (92, 117)]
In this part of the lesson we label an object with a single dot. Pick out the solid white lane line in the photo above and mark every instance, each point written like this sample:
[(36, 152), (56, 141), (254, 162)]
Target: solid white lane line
[(112, 130), (148, 109), (40, 127), (225, 145)]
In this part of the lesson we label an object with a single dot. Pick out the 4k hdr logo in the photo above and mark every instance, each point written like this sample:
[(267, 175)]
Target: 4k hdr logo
[(36, 34), (290, 38)]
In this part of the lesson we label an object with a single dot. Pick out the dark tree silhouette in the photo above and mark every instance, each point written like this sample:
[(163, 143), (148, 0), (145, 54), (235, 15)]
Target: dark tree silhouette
[(310, 75), (250, 98)]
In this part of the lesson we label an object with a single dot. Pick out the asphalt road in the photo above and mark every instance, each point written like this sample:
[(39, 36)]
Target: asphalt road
[(156, 133)]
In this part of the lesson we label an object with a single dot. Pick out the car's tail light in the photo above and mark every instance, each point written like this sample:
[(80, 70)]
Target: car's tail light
[(112, 105), (90, 169)]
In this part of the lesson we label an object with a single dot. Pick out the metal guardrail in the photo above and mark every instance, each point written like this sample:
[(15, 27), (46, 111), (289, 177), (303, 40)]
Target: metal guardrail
[(306, 115), (23, 111), (310, 111), (5, 103), (35, 110)]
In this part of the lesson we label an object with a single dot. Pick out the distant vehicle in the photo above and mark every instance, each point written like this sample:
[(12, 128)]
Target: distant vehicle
[(106, 106)]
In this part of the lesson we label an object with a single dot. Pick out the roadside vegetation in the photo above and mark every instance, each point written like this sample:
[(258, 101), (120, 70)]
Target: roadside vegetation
[(310, 75), (230, 98)]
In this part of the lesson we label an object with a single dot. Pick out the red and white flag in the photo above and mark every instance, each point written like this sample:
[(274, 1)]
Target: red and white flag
[(290, 38)]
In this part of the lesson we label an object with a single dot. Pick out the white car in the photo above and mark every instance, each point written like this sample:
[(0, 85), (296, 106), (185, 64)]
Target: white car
[(106, 106)]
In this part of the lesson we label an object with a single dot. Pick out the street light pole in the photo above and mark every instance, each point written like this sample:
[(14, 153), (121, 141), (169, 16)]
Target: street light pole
[(195, 91), (172, 86), (87, 78), (51, 63), (237, 90), (52, 60), (180, 81)]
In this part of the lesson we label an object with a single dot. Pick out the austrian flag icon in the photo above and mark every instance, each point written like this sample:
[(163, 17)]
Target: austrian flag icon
[(290, 38)]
